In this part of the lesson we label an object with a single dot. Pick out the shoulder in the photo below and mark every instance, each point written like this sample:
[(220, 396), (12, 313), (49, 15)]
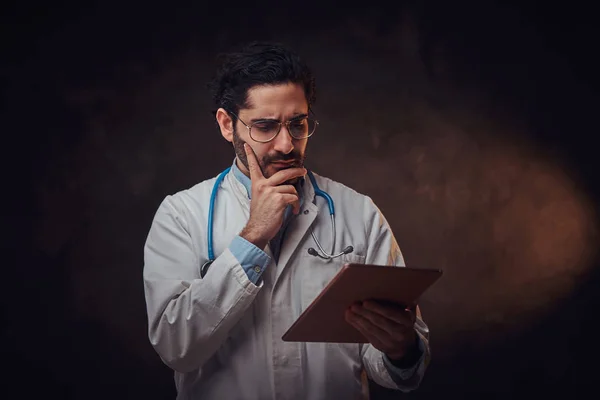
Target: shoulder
[(189, 202)]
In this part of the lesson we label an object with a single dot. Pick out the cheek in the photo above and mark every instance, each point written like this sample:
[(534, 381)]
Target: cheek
[(301, 146), (262, 155)]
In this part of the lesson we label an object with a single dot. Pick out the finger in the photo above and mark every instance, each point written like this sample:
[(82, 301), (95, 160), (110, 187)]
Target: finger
[(253, 166), (296, 206), (285, 175), (289, 199), (396, 313), (290, 189), (375, 335), (352, 319), (373, 340), (390, 326)]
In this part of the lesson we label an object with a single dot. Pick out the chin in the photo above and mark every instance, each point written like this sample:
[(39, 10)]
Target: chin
[(292, 181)]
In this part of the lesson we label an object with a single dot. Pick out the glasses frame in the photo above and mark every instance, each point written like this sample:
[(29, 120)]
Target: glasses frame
[(286, 123)]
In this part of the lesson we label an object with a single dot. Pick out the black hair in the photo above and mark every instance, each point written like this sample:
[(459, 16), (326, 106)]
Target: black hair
[(256, 64)]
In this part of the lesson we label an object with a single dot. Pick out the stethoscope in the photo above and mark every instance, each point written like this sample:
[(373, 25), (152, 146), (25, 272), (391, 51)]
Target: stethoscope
[(318, 192)]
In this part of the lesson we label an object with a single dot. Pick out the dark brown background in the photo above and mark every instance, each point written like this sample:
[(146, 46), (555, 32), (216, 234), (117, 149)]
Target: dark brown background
[(471, 124)]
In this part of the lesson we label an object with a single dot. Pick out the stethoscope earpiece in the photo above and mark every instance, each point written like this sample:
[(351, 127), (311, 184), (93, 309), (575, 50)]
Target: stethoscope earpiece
[(313, 252), (325, 256)]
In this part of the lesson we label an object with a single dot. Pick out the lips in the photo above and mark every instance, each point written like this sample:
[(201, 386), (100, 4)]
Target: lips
[(284, 164)]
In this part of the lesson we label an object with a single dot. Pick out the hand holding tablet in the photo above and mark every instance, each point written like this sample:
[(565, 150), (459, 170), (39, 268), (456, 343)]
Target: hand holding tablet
[(324, 320)]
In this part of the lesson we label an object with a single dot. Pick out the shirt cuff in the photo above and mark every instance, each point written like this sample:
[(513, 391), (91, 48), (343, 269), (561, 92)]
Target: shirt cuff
[(252, 259), (404, 373)]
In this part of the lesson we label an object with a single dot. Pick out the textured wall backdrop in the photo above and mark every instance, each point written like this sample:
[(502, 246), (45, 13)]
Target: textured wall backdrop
[(454, 144)]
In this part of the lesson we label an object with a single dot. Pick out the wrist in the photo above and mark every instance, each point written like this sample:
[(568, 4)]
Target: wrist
[(254, 238), (408, 357)]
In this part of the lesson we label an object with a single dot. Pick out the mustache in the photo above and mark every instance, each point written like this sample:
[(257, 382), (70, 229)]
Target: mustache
[(284, 158)]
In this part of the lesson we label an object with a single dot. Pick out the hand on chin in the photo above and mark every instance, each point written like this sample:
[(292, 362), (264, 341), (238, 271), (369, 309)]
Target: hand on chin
[(276, 167)]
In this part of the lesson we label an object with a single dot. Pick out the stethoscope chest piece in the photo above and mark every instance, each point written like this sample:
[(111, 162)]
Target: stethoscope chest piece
[(205, 267)]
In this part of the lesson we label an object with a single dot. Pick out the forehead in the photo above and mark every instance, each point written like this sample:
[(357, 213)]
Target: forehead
[(277, 99)]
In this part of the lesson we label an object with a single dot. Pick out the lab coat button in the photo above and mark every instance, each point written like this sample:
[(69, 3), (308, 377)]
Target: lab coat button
[(305, 212), (257, 269)]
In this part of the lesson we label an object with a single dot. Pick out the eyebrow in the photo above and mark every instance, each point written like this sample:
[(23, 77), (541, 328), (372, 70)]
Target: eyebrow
[(295, 117)]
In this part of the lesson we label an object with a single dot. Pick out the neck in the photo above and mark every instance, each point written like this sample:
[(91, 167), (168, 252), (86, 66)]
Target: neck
[(242, 167)]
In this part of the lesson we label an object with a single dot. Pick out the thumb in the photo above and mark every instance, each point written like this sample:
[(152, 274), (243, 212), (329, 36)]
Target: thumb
[(254, 168)]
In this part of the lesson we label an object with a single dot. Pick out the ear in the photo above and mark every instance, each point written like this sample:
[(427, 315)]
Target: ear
[(225, 124)]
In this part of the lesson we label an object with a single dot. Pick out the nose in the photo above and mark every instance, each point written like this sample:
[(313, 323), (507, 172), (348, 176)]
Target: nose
[(283, 142)]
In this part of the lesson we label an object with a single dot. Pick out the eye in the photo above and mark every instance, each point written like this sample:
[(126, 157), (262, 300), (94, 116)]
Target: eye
[(266, 126)]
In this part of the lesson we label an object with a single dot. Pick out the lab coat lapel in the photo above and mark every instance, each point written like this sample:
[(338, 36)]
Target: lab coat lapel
[(297, 230)]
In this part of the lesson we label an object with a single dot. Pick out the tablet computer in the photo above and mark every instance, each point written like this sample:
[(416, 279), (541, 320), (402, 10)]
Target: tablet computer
[(324, 321)]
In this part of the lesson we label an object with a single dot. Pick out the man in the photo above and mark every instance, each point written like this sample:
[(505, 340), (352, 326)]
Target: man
[(220, 328)]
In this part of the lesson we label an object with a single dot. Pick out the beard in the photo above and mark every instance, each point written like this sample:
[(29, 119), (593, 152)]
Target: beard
[(296, 156)]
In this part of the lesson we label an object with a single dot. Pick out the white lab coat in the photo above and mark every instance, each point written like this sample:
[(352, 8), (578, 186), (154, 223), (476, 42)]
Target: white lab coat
[(222, 334)]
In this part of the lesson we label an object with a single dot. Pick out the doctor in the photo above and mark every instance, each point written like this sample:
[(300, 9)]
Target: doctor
[(230, 263)]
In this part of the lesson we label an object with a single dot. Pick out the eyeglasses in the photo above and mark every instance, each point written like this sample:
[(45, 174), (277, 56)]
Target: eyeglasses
[(265, 130)]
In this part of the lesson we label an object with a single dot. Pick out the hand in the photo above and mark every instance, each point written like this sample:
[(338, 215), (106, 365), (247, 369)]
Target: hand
[(388, 327), (269, 201)]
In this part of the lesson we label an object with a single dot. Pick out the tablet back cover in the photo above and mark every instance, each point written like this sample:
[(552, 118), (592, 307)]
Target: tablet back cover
[(323, 320)]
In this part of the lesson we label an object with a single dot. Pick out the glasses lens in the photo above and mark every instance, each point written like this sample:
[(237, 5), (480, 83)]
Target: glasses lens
[(263, 131), (302, 128)]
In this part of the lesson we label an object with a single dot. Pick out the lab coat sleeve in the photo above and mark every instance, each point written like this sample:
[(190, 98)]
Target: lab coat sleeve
[(383, 249), (250, 257), (189, 317)]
